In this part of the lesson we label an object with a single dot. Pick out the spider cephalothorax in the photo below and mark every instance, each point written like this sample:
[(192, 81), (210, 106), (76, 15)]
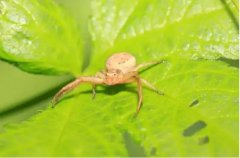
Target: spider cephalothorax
[(120, 68)]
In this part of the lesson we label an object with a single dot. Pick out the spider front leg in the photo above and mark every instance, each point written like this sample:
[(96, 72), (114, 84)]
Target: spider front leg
[(100, 74), (69, 87), (148, 64)]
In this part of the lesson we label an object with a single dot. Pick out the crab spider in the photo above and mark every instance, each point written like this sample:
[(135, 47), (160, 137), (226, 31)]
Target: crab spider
[(120, 68)]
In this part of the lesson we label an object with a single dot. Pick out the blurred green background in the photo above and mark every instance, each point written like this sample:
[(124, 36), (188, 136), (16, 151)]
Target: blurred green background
[(21, 92)]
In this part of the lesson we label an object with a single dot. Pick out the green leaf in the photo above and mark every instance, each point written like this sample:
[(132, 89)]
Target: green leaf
[(193, 29), (39, 37), (197, 116), (80, 126)]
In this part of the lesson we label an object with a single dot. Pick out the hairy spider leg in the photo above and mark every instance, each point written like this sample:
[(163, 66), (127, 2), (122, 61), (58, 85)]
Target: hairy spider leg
[(152, 87), (69, 87), (147, 64), (100, 74)]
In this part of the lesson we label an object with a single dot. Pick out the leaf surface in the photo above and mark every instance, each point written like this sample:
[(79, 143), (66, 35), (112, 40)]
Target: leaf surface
[(197, 116), (193, 29), (80, 126), (39, 37)]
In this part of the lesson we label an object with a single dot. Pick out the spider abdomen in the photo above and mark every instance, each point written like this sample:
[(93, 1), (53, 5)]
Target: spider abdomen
[(124, 62)]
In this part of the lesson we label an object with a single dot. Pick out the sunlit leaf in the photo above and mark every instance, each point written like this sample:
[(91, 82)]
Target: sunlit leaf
[(193, 29), (38, 36)]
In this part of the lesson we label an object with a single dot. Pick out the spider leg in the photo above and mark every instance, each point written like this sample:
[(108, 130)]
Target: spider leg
[(152, 87), (93, 91), (147, 64), (139, 84), (69, 87), (100, 74)]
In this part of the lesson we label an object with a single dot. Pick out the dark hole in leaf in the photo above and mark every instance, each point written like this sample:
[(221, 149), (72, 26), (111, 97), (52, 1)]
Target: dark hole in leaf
[(203, 140), (194, 103), (191, 130), (153, 151), (133, 147)]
